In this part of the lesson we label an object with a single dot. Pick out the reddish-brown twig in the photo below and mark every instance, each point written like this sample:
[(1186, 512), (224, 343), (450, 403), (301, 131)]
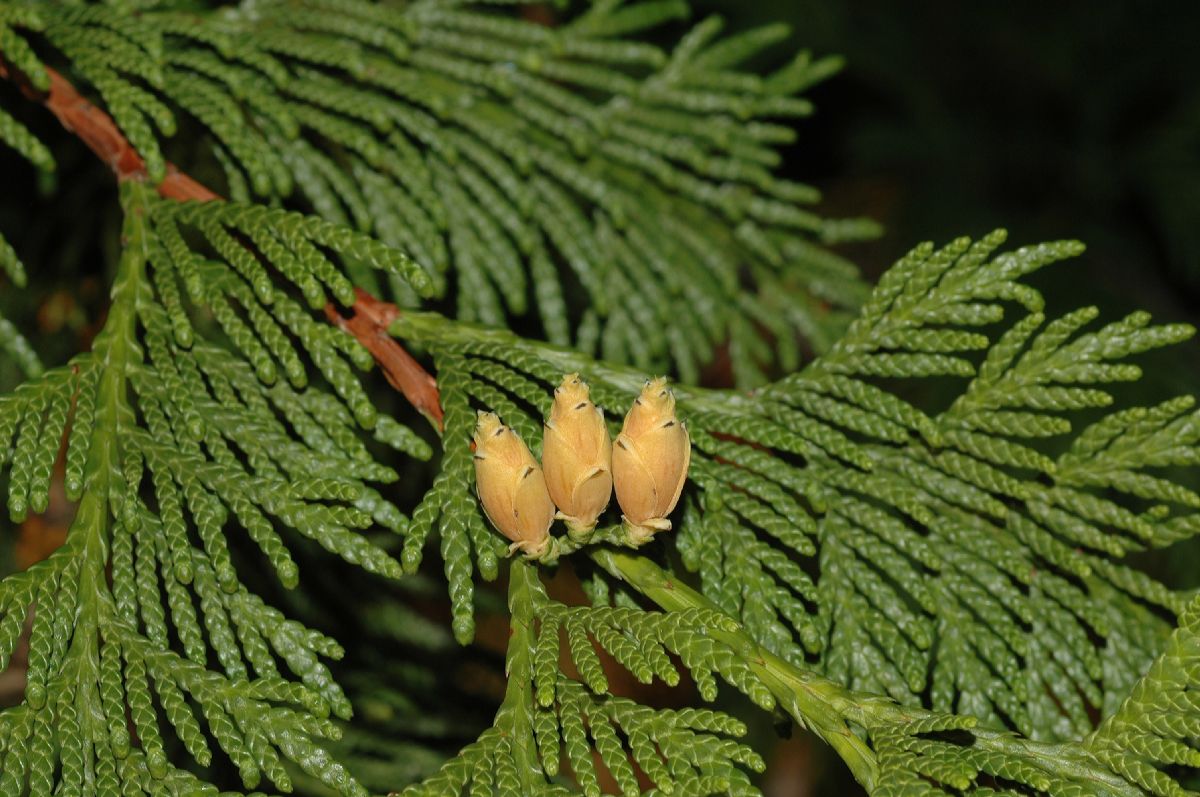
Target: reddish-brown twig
[(369, 325), (372, 316)]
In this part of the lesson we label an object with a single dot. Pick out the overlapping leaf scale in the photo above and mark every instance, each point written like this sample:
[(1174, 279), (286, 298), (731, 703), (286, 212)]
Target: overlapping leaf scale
[(937, 755), (1013, 557), (522, 162), (550, 721), (947, 557), (1151, 738), (179, 434)]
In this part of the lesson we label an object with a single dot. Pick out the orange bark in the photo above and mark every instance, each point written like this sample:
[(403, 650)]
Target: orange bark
[(369, 325)]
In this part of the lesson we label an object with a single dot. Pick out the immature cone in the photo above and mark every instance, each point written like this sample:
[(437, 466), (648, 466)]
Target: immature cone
[(577, 457), (650, 461), (511, 487)]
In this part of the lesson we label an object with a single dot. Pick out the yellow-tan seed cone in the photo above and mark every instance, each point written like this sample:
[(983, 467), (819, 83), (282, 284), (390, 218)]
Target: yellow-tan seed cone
[(511, 487), (650, 461), (577, 456)]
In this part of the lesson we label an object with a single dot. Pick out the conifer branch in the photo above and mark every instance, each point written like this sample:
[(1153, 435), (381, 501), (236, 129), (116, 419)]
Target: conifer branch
[(895, 578), (97, 130), (862, 728), (170, 438), (881, 501), (519, 164), (546, 713)]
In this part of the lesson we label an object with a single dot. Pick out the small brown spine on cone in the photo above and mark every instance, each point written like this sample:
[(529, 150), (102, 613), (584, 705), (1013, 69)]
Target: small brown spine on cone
[(650, 461), (511, 487), (577, 457)]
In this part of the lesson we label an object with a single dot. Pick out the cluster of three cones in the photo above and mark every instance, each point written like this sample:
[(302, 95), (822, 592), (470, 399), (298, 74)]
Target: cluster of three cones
[(581, 466)]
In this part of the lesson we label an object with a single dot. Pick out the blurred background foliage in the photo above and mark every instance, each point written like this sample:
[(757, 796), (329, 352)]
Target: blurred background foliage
[(950, 118), (1082, 120)]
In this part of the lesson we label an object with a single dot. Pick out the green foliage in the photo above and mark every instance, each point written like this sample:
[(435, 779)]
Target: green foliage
[(418, 696), (896, 750), (943, 594), (943, 558), (166, 432), (546, 713), (559, 171), (1153, 734)]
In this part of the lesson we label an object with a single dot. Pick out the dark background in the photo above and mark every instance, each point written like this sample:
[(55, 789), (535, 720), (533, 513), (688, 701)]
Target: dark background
[(953, 118)]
